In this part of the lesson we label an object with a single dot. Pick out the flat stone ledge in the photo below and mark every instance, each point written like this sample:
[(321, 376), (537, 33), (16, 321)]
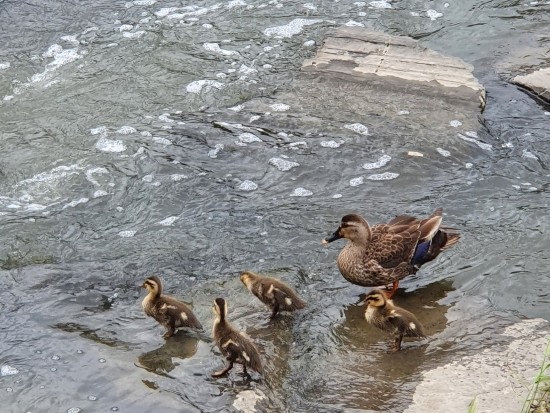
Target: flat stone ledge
[(370, 56), (538, 82)]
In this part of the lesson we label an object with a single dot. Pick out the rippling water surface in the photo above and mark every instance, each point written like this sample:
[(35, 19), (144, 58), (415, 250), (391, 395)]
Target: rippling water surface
[(129, 147)]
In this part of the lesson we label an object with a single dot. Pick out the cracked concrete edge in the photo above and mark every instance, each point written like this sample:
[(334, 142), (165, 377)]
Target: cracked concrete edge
[(499, 377), (537, 81)]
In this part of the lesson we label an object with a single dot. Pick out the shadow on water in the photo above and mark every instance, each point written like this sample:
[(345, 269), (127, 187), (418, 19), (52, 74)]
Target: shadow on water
[(161, 360)]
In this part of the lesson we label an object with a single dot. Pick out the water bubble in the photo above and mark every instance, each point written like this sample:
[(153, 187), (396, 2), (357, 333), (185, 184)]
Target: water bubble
[(279, 107), (358, 127), (42, 386), (9, 389), (455, 123), (102, 360), (8, 371), (433, 14), (38, 352), (356, 181), (126, 234), (247, 185), (282, 165), (168, 221), (337, 196), (383, 161), (330, 144), (74, 410), (79, 351), (383, 177), (92, 398), (56, 357), (468, 165), (301, 192), (109, 145), (443, 152), (53, 369), (114, 409)]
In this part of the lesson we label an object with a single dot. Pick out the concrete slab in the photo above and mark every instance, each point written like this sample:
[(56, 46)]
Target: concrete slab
[(538, 82), (373, 57), (499, 377)]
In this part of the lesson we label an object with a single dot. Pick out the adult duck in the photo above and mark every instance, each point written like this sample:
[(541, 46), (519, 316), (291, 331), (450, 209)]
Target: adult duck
[(386, 253)]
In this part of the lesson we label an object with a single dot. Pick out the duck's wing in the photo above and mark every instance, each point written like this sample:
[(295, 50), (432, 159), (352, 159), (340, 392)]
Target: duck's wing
[(406, 322), (176, 310), (391, 248)]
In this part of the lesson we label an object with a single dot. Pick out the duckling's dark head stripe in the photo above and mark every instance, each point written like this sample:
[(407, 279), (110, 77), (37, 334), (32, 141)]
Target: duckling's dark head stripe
[(220, 302)]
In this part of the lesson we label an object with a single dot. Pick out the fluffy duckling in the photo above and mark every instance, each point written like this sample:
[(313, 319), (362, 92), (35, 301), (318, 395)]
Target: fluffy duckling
[(234, 345), (168, 311), (383, 314), (274, 293)]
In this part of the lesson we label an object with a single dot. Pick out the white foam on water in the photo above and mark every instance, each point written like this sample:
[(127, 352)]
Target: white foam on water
[(337, 196), (75, 203), (162, 141), (148, 178), (330, 144), (126, 130), (433, 14), (126, 234), (135, 35), (547, 113), (215, 48), (484, 146), (383, 177), (282, 164), (301, 192), (382, 161), (358, 127), (213, 153), (290, 29), (353, 23), (528, 154), (360, 4), (443, 152), (100, 130), (380, 4), (248, 185), (455, 123), (198, 85), (60, 56), (178, 177), (508, 145), (247, 70), (468, 165), (7, 98), (403, 112), (4, 66), (140, 3), (165, 117), (248, 137), (415, 14), (74, 410), (125, 27), (165, 11), (309, 6), (237, 108), (168, 221), (207, 25), (6, 370), (361, 14), (99, 193), (307, 43), (356, 181), (90, 174), (517, 187), (53, 176), (109, 145), (295, 145), (279, 107), (254, 118)]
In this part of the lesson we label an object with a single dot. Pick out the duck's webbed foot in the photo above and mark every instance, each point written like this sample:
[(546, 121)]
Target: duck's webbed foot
[(396, 345), (274, 311), (224, 371), (169, 333)]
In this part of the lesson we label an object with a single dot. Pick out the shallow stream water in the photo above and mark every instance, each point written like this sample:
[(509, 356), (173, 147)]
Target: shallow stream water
[(126, 149)]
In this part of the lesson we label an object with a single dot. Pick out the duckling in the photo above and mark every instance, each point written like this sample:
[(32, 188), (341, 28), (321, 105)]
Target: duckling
[(234, 345), (386, 253), (274, 293), (168, 311), (382, 313)]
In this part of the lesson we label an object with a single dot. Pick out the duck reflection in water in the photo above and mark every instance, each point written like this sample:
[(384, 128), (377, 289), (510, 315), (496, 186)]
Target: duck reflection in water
[(182, 345)]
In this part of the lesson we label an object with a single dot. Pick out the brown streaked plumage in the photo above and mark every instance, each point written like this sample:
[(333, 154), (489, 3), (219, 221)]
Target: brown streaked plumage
[(272, 292), (168, 311), (235, 346), (386, 253), (382, 313)]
